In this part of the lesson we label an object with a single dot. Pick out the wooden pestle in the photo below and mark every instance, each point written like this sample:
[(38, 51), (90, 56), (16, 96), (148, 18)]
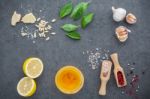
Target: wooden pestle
[(118, 71), (105, 76)]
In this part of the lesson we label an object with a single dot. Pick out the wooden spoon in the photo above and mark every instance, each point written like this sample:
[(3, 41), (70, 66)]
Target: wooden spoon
[(105, 76), (118, 71)]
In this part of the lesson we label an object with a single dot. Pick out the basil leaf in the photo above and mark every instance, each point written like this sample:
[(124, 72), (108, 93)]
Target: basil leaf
[(79, 10), (73, 35), (66, 10), (69, 27), (86, 19), (85, 5)]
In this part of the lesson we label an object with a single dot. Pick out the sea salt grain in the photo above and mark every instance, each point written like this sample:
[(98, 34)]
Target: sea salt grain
[(95, 56), (132, 68), (122, 92), (103, 58), (83, 53), (97, 49), (33, 42)]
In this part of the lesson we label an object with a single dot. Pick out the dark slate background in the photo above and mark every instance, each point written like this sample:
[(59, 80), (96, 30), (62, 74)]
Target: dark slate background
[(60, 50)]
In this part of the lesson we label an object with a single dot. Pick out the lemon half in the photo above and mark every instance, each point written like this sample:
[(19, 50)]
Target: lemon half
[(26, 87), (33, 67)]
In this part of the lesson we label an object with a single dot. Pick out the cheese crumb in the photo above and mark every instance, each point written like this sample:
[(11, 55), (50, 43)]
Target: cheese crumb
[(29, 18), (15, 18)]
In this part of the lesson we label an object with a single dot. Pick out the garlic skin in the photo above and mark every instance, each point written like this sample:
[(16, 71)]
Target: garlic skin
[(122, 33), (118, 14), (131, 19)]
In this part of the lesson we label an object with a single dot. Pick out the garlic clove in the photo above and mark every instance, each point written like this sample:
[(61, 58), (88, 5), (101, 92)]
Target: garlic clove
[(118, 14), (122, 33), (15, 18), (123, 38), (131, 18)]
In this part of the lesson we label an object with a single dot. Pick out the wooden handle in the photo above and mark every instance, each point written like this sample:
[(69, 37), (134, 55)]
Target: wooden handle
[(102, 90), (104, 76), (114, 58)]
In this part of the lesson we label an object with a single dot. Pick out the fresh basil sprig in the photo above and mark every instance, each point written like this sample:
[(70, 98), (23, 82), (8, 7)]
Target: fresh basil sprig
[(79, 10), (69, 27), (86, 19), (66, 10), (76, 13), (73, 35)]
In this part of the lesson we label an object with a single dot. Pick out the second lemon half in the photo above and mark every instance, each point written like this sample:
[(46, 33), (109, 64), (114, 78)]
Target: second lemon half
[(69, 80)]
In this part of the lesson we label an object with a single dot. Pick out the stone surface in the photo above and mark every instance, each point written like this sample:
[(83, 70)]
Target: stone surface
[(60, 50)]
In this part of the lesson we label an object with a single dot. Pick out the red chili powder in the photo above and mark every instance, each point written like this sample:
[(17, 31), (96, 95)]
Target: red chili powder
[(131, 89), (120, 78), (135, 79)]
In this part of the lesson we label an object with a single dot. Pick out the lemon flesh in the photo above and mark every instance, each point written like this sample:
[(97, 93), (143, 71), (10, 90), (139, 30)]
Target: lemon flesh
[(33, 67), (26, 87)]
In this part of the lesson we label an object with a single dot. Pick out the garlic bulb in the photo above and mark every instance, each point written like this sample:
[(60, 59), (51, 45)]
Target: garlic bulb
[(122, 33), (118, 14)]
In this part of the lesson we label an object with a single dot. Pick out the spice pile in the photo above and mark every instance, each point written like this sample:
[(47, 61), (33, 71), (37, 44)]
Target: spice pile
[(133, 86), (95, 56), (42, 28)]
